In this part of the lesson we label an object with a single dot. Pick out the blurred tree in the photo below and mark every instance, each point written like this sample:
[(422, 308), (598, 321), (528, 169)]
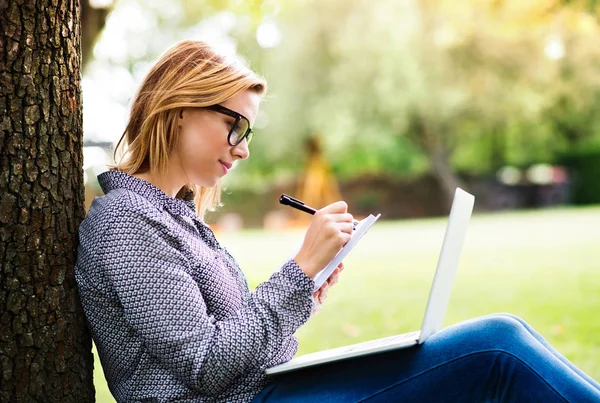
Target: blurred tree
[(462, 86), (93, 18), (45, 347), (398, 87)]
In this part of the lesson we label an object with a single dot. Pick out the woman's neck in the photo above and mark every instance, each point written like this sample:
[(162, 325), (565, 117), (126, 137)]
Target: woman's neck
[(163, 182)]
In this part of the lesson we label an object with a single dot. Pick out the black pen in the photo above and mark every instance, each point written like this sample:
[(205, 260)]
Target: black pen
[(298, 205)]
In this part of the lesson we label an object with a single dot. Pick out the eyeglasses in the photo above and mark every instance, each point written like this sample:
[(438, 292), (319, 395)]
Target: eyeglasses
[(240, 129)]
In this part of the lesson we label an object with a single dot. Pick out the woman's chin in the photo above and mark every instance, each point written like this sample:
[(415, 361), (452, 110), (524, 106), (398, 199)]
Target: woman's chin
[(207, 183)]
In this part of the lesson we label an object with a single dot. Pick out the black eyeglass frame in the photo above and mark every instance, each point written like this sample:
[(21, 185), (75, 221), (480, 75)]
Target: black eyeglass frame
[(237, 116)]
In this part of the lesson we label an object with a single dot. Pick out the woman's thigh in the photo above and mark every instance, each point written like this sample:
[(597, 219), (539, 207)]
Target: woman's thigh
[(488, 358)]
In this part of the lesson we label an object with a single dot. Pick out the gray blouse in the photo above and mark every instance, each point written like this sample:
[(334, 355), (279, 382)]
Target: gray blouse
[(169, 308)]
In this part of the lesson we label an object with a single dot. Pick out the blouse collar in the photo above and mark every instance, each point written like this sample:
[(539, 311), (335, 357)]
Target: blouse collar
[(115, 179)]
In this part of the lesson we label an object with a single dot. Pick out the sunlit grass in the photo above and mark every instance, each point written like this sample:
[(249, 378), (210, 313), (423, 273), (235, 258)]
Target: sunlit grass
[(541, 265)]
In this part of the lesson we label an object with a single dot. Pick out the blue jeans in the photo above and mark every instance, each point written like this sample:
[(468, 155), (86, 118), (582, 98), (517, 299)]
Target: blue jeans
[(496, 358)]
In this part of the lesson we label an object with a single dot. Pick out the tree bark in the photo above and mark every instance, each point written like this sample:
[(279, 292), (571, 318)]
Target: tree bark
[(45, 347)]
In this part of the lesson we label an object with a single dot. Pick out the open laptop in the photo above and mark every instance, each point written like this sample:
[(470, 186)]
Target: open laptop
[(439, 296)]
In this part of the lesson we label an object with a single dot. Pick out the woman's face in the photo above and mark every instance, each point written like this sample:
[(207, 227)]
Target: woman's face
[(202, 150)]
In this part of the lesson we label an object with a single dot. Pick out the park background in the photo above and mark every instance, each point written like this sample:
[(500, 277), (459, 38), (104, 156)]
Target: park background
[(396, 103)]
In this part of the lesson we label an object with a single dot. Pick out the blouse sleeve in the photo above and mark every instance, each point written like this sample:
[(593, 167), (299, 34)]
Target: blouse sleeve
[(164, 306)]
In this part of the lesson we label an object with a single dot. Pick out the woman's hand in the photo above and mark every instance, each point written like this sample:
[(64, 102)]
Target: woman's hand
[(329, 230), (320, 295)]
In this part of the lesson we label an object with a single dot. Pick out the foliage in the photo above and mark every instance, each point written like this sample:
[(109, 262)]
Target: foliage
[(585, 167), (470, 80), (400, 86)]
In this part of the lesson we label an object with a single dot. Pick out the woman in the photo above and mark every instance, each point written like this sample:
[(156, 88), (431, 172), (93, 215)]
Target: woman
[(171, 313)]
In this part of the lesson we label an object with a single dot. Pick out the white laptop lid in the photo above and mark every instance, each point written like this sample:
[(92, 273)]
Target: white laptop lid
[(439, 297)]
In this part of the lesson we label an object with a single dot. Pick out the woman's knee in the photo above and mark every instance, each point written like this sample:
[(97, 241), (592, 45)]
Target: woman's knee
[(503, 329), (509, 316)]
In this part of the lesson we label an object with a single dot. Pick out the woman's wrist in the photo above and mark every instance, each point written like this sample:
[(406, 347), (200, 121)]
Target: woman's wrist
[(305, 266)]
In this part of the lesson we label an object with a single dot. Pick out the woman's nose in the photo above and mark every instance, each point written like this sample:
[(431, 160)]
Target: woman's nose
[(241, 150)]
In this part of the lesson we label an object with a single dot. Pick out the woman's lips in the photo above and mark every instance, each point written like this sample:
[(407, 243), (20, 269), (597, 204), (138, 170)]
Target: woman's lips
[(226, 166)]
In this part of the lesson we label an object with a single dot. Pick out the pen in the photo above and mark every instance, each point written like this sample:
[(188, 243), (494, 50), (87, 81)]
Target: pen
[(298, 205)]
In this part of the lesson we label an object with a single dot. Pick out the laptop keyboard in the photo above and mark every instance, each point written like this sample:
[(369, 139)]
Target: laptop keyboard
[(382, 342)]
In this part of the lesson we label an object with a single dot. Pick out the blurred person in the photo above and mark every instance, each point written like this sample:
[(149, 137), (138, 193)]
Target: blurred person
[(171, 312)]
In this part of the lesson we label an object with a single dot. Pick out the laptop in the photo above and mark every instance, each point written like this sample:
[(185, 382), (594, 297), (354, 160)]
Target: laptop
[(437, 304)]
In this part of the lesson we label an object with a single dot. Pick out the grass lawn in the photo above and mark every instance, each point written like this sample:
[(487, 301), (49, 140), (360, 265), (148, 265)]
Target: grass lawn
[(541, 265)]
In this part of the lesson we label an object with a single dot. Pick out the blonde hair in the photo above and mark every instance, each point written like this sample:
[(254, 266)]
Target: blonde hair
[(189, 74)]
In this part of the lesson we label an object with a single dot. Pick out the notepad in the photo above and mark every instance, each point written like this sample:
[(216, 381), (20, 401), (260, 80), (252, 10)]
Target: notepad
[(360, 230)]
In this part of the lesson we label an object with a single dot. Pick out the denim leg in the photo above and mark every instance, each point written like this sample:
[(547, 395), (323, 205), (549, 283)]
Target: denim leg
[(489, 359), (552, 350)]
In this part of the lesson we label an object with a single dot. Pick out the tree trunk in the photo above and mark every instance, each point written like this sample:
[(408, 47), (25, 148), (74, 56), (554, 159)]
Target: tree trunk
[(45, 348), (497, 147), (435, 146), (448, 180), (92, 23)]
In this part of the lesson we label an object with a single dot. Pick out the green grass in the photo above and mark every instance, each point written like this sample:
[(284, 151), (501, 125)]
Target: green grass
[(541, 265)]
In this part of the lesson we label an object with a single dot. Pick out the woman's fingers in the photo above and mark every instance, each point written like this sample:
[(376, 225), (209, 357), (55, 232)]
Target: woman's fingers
[(347, 227), (323, 295), (335, 208), (316, 295), (320, 295), (333, 278), (345, 222), (345, 217)]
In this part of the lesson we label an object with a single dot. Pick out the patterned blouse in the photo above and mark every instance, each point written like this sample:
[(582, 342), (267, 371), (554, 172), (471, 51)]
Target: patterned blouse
[(169, 308)]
